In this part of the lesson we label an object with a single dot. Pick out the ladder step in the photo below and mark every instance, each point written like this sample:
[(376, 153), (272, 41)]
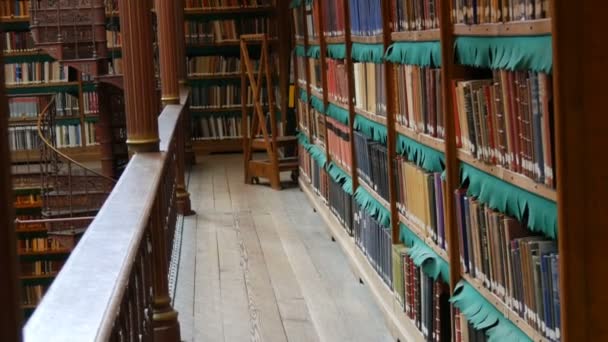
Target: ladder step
[(285, 164), (283, 141)]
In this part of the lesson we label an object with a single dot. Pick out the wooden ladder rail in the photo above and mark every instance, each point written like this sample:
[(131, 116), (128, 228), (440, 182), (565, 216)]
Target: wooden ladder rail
[(258, 117)]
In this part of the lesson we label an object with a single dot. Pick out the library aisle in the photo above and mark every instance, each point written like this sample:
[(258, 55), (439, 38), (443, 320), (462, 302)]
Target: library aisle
[(258, 264)]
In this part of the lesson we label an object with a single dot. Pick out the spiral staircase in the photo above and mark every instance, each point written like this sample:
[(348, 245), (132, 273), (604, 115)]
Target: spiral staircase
[(74, 33)]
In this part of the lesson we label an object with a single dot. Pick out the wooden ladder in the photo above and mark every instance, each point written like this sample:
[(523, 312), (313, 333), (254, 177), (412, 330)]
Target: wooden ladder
[(256, 137)]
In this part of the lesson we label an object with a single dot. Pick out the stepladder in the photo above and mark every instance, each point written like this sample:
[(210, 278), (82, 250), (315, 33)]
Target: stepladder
[(263, 133)]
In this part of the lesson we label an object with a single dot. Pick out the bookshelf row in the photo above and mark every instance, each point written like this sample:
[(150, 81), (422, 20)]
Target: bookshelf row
[(376, 107)]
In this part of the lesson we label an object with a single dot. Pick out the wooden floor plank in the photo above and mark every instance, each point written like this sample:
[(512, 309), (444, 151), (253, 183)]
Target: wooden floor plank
[(292, 304), (207, 295), (265, 268), (263, 307)]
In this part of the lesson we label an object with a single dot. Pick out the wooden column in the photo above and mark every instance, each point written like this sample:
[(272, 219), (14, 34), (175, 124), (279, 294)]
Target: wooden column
[(140, 93), (580, 68), (10, 315), (168, 43), (166, 16)]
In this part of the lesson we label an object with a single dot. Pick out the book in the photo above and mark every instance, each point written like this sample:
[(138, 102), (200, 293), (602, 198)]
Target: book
[(419, 103), (369, 88), (365, 17), (414, 15), (507, 121)]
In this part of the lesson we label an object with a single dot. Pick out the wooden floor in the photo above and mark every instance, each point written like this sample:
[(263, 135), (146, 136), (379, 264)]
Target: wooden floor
[(259, 265)]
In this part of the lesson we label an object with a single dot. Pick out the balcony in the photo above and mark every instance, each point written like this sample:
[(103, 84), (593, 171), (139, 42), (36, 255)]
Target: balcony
[(114, 285)]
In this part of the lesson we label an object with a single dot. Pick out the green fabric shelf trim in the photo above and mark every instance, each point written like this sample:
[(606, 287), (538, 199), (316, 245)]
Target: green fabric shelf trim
[(303, 139), (299, 51), (373, 130), (510, 53), (373, 207), (317, 104), (426, 157), (314, 51), (303, 96), (512, 200), (415, 53), (317, 154), (373, 53), (483, 315), (336, 51), (423, 256), (341, 177), (338, 113)]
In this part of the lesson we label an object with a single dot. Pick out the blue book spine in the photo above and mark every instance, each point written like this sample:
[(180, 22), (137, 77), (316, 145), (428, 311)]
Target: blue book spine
[(546, 291), (466, 226), (555, 292)]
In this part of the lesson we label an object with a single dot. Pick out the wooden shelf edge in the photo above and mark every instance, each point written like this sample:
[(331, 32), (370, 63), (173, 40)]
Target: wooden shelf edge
[(516, 179), (420, 232), (41, 85), (374, 194), (415, 36), (400, 326), (369, 115), (338, 104), (379, 39), (335, 39), (515, 28), (504, 309), (424, 139), (227, 10)]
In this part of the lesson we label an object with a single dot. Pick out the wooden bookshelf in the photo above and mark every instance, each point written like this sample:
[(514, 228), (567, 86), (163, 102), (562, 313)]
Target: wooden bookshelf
[(415, 36), (504, 309), (368, 39), (509, 176), (422, 138), (420, 232), (335, 40), (452, 158), (207, 146), (515, 28), (371, 116)]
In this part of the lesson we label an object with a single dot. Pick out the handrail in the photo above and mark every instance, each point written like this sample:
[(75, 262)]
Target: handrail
[(45, 141), (114, 285)]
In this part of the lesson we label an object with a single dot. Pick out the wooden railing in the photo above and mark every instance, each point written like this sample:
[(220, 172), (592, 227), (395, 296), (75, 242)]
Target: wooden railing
[(114, 286)]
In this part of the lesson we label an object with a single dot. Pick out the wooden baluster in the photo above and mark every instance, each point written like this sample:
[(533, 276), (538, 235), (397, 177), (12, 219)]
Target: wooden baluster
[(164, 318), (10, 315)]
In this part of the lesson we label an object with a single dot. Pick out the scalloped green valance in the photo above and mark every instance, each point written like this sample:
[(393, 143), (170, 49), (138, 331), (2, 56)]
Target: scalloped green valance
[(511, 53), (373, 207), (415, 53), (341, 177), (373, 53), (424, 256), (299, 51), (373, 130), (317, 154), (338, 113), (512, 200), (426, 157), (336, 51), (483, 315), (314, 51), (303, 139), (317, 104), (303, 96)]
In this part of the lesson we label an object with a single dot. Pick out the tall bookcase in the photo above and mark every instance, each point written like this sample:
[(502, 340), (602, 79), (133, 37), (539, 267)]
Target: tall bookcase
[(214, 68), (427, 133), (26, 83)]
